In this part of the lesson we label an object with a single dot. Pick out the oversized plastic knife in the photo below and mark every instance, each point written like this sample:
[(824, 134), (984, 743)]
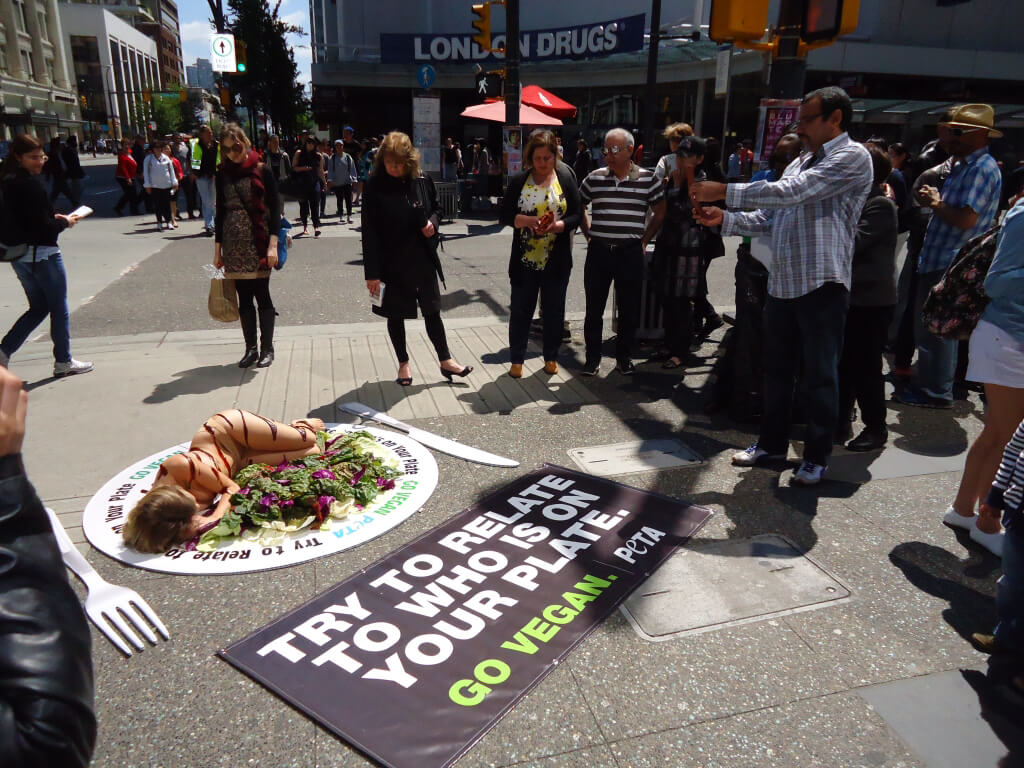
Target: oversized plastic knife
[(429, 439)]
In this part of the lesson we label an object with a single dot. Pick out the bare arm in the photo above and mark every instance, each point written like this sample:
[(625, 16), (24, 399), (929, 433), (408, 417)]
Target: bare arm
[(654, 224)]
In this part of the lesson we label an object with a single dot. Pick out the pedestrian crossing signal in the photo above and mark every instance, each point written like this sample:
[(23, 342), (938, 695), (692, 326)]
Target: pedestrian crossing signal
[(733, 20)]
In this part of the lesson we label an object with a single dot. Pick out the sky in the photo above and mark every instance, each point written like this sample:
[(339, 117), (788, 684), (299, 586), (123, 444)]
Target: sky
[(194, 19)]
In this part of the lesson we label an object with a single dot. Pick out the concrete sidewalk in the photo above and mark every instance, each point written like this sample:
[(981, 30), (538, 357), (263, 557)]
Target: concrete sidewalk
[(864, 682)]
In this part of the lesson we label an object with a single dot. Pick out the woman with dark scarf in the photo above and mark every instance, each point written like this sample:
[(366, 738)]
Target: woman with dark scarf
[(400, 219), (245, 228)]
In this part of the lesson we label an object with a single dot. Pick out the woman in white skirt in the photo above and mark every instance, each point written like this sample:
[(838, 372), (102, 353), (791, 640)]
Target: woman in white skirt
[(997, 361)]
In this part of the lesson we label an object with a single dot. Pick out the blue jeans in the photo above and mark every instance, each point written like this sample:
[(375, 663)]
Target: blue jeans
[(1010, 592), (552, 288), (204, 184), (936, 358), (810, 328), (46, 287)]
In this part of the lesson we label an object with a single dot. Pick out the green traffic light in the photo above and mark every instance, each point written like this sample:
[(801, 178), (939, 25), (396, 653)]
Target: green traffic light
[(241, 67)]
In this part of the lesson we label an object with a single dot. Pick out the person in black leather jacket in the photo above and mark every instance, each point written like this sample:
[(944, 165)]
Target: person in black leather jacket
[(46, 698)]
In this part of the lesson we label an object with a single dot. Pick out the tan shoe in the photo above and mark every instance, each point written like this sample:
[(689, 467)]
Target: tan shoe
[(516, 370), (550, 367)]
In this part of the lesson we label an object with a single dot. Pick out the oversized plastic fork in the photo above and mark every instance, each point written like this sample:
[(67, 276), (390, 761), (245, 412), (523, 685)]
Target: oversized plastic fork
[(107, 603)]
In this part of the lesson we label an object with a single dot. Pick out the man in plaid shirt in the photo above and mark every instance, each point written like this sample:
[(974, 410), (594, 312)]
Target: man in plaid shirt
[(966, 207), (811, 214)]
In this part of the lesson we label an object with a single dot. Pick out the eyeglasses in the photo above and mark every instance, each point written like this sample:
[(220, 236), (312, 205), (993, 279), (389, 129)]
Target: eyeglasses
[(808, 118), (612, 150), (958, 132)]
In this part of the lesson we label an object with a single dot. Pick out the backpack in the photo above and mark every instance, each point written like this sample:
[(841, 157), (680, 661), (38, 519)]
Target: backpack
[(953, 307), (12, 239)]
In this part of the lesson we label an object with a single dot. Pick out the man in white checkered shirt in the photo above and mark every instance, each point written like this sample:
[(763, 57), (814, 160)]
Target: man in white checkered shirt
[(811, 214)]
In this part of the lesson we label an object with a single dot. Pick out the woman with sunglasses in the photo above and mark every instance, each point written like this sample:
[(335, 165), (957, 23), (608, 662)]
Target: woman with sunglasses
[(400, 217), (245, 229), (307, 170), (40, 269)]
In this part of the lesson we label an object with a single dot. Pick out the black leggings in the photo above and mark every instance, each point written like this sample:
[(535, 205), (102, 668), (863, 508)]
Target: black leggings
[(435, 331), (162, 204), (309, 206), (257, 289)]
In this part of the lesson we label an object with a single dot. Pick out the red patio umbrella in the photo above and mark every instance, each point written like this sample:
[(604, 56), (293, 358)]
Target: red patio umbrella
[(547, 102), (494, 111)]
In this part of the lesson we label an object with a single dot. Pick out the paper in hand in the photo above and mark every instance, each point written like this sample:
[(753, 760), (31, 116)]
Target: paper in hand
[(81, 211), (377, 299)]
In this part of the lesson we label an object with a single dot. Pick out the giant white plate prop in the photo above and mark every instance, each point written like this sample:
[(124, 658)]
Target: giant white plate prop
[(105, 514)]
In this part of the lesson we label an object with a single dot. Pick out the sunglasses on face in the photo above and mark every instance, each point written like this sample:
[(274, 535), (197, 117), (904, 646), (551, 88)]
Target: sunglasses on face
[(612, 150), (958, 132)]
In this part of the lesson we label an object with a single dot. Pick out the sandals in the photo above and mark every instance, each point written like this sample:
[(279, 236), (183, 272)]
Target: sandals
[(404, 381)]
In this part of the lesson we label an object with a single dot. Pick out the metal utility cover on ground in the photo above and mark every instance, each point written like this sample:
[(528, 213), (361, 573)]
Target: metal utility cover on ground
[(634, 456), (716, 584)]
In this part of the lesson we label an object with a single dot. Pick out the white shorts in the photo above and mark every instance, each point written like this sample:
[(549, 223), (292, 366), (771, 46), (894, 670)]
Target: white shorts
[(996, 357)]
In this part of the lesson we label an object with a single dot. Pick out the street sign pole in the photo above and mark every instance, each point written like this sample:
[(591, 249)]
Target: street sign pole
[(512, 62)]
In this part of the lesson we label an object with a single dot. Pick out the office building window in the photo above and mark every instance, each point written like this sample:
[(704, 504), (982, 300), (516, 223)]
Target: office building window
[(19, 15)]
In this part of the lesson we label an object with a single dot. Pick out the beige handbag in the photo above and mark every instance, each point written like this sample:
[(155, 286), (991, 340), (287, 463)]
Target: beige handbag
[(223, 303)]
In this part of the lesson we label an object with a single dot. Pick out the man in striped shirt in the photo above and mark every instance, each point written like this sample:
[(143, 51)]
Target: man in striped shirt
[(812, 214), (617, 233)]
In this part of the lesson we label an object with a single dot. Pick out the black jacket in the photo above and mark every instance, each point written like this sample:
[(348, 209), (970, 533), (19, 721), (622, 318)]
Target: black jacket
[(46, 695), (31, 210), (560, 261), (874, 253)]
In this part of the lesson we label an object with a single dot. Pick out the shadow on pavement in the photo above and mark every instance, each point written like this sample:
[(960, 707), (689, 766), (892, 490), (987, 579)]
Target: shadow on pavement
[(1002, 705), (197, 381)]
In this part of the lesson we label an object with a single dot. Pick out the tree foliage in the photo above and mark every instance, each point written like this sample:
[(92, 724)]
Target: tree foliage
[(270, 83)]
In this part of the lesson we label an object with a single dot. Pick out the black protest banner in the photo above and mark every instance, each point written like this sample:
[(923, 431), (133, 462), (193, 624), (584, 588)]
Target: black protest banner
[(413, 659)]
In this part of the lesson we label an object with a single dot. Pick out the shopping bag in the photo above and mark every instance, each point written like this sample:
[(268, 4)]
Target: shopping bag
[(223, 302)]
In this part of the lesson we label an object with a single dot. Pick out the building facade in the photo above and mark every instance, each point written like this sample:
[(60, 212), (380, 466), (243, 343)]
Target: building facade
[(37, 94), (918, 53), (166, 32), (115, 68), (200, 75)]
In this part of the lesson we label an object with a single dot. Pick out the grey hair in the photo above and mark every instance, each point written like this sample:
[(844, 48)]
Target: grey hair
[(621, 133)]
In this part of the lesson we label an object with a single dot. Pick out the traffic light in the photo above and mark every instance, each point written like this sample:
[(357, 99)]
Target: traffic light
[(225, 98), (829, 19), (482, 25), (733, 20), (241, 57)]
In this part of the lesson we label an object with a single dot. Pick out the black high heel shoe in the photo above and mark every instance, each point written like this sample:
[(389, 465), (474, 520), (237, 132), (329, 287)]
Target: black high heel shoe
[(404, 381), (464, 372)]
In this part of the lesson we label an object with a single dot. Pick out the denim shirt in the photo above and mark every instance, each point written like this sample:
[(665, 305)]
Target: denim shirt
[(1004, 284)]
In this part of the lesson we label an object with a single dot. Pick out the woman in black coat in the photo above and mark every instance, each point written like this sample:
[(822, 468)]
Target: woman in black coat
[(543, 205), (400, 218)]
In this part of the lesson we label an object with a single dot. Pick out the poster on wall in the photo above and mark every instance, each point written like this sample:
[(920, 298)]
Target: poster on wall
[(512, 149), (426, 131), (415, 657), (775, 115)]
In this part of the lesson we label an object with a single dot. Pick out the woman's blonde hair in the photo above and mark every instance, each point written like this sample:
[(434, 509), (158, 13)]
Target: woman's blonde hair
[(160, 520), (398, 146), (677, 131), (236, 132), (539, 138)]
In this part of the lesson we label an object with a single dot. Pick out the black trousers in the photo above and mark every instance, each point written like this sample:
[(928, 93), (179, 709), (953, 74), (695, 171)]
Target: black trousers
[(344, 193), (552, 288), (161, 199), (191, 196), (435, 332), (127, 196), (860, 366), (904, 344), (622, 265), (256, 290), (309, 206), (678, 313)]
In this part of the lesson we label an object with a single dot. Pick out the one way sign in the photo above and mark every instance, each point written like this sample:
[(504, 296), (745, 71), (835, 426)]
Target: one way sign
[(222, 53), (488, 85)]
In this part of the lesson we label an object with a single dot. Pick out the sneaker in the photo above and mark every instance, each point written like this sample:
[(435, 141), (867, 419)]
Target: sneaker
[(809, 473), (590, 369), (993, 542), (625, 367), (752, 455), (71, 368), (921, 400)]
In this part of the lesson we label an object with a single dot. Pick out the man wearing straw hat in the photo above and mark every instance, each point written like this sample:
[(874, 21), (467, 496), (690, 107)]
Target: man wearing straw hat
[(966, 208)]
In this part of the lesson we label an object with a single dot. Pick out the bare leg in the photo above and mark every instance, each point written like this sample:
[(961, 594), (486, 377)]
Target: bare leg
[(280, 456), (256, 434), (1004, 412)]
